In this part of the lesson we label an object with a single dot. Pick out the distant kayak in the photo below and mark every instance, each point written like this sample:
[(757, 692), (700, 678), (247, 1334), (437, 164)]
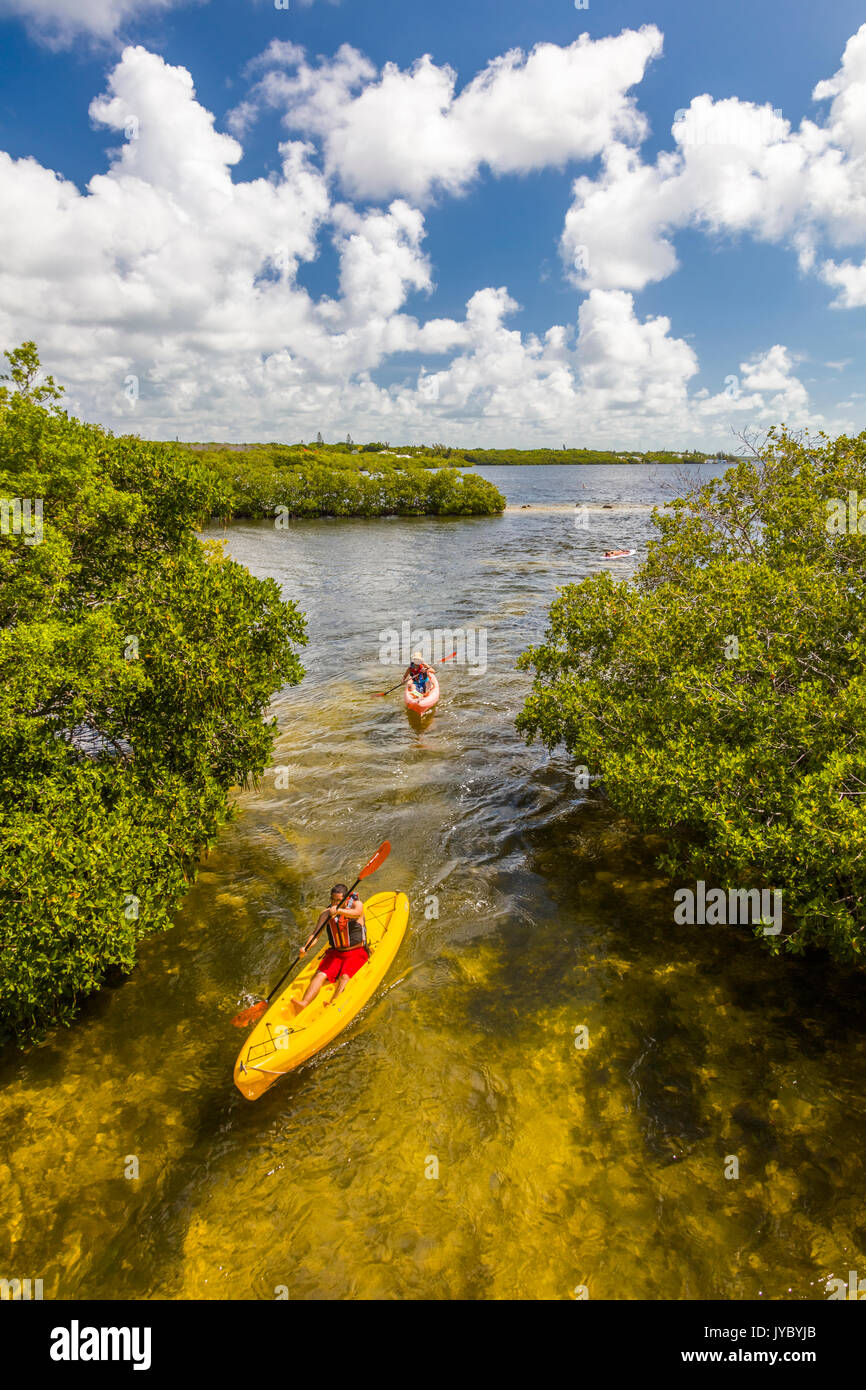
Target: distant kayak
[(617, 554), (283, 1039), (414, 700)]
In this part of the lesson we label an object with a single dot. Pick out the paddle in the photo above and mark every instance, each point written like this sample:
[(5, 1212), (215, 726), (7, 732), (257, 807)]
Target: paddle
[(255, 1011), (380, 694)]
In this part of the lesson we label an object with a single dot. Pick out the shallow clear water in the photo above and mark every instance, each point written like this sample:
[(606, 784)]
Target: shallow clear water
[(557, 1166)]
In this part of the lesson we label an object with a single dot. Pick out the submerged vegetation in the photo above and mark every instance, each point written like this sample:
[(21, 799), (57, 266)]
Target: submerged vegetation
[(135, 668), (721, 695)]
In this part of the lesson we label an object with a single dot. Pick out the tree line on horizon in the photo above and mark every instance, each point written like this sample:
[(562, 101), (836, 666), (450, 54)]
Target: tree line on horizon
[(462, 457)]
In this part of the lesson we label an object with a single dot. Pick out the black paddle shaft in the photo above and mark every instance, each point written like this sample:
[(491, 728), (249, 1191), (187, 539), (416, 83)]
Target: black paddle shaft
[(395, 687)]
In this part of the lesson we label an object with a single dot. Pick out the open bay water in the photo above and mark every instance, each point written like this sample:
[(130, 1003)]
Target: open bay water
[(454, 1142)]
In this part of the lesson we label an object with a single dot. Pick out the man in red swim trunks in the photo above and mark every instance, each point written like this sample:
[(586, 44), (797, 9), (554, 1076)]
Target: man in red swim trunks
[(347, 934)]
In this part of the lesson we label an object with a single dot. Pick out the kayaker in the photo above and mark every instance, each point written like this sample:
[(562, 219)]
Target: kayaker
[(347, 933), (418, 672)]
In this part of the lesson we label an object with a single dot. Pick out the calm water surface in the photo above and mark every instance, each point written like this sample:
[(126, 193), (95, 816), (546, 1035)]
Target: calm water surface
[(557, 1166)]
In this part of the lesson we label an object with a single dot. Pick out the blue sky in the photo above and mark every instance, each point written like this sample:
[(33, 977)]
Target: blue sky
[(626, 287)]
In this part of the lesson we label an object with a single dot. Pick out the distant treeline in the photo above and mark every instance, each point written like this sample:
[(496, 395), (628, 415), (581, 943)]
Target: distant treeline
[(438, 455), (329, 480), (585, 456)]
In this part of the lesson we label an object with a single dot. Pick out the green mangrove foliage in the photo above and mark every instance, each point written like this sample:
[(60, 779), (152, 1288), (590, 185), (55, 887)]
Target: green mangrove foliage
[(135, 668), (331, 480), (721, 694)]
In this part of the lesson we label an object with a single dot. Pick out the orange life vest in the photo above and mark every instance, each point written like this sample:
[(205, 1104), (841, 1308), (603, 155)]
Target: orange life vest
[(345, 933)]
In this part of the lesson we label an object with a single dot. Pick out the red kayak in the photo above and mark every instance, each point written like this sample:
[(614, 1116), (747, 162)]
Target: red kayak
[(414, 700), (615, 554)]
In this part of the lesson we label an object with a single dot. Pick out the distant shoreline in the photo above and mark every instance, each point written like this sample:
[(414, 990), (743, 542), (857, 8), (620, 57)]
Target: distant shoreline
[(605, 463), (452, 456)]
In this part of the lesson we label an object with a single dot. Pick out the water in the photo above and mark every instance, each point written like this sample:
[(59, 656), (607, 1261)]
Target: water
[(557, 1167)]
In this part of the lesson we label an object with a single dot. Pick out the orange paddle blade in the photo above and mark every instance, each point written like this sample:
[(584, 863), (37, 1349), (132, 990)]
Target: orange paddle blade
[(250, 1015), (378, 859)]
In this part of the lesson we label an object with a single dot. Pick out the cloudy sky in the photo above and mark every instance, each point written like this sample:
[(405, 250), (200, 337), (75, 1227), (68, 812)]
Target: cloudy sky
[(626, 225)]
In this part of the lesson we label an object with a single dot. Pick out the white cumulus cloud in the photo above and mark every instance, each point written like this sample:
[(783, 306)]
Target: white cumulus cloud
[(60, 22), (407, 133), (738, 168)]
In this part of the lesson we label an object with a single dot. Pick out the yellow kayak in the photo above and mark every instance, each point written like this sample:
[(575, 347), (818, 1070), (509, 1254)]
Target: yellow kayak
[(282, 1039)]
